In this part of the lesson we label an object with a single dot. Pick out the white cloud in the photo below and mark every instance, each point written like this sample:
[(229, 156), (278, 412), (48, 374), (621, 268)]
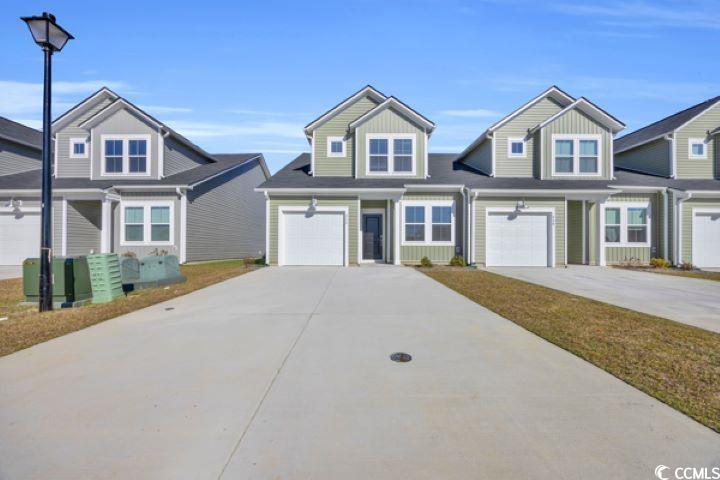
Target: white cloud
[(471, 113), (245, 129), (157, 109)]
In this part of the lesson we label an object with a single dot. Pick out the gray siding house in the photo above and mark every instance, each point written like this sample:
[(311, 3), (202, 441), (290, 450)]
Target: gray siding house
[(540, 187), (125, 182)]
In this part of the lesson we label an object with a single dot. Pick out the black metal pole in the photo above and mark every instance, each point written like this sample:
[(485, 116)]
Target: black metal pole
[(46, 207)]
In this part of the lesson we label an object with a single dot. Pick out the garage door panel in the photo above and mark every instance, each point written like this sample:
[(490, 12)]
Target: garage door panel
[(706, 239), (19, 237), (314, 239), (517, 239)]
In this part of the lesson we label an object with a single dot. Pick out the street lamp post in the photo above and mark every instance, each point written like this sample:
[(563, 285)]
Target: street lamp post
[(51, 37)]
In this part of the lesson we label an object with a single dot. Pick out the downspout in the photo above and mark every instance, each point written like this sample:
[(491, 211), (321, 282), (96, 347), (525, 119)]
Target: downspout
[(665, 223), (678, 224), (464, 226)]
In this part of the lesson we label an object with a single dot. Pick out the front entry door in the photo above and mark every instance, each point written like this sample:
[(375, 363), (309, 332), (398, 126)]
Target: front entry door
[(372, 236)]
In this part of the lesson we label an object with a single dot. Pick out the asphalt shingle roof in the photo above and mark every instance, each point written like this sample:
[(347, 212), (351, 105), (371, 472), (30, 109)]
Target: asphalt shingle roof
[(662, 127), (19, 133)]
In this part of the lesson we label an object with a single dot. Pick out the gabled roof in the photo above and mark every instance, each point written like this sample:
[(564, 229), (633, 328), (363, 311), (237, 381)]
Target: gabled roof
[(406, 111), (553, 92), (662, 127), (69, 115), (20, 134), (591, 110), (367, 91)]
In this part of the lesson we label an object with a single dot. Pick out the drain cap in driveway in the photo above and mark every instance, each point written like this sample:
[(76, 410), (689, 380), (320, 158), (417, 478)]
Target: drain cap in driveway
[(400, 357)]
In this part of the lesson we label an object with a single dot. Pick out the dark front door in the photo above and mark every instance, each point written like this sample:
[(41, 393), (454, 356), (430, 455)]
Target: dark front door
[(372, 236)]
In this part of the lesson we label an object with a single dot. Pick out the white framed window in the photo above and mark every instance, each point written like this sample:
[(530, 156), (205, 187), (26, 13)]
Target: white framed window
[(577, 155), (516, 147), (428, 223), (697, 148), (126, 155), (390, 154), (627, 225), (78, 148), (146, 223), (336, 147)]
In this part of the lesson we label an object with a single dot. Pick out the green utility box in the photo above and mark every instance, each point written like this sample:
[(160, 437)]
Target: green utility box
[(70, 277), (153, 271), (105, 277)]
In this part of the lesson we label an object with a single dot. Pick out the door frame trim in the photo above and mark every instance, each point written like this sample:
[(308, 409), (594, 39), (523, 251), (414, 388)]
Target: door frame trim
[(372, 211), (549, 212), (283, 209)]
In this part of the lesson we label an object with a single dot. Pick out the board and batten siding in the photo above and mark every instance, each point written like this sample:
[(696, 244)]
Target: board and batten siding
[(575, 231), (698, 128), (279, 201), (145, 250), (412, 254), (556, 203), (15, 158), (178, 158), (617, 255), (84, 225), (390, 122), (122, 123), (481, 157), (337, 126), (226, 217), (686, 223), (518, 128), (574, 122), (652, 157), (75, 167)]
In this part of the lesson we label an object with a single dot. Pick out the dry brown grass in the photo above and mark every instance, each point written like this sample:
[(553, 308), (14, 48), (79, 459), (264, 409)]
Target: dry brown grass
[(701, 274), (675, 363), (26, 327)]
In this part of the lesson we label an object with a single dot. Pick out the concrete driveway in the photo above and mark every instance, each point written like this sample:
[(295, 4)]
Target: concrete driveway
[(284, 373), (10, 271), (686, 300)]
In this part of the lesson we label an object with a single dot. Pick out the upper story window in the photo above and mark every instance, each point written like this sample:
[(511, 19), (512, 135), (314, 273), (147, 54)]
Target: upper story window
[(428, 223), (576, 155), (516, 147), (390, 154), (697, 148), (127, 155), (627, 225), (336, 147), (78, 148)]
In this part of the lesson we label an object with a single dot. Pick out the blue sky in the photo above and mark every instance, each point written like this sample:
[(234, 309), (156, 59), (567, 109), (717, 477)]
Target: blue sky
[(247, 76)]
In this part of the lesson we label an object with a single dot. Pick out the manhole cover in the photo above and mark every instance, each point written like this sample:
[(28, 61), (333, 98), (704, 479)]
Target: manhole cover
[(400, 357)]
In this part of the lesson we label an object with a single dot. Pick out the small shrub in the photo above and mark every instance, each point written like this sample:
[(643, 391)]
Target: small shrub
[(425, 262), (457, 261), (687, 266), (659, 263), (260, 261)]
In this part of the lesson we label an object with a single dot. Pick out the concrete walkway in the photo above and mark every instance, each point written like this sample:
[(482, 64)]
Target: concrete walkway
[(284, 373), (10, 271), (687, 300)]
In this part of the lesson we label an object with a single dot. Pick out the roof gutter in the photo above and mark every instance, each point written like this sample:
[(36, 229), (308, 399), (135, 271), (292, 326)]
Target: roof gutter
[(328, 191), (538, 191), (435, 188)]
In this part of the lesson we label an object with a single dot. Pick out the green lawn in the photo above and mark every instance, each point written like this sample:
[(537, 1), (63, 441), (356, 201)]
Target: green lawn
[(675, 363), (26, 327)]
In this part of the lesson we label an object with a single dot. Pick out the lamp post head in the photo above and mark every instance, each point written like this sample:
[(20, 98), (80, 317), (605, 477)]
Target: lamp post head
[(46, 32)]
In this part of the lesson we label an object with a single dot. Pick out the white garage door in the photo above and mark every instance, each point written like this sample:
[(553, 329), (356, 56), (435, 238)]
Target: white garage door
[(518, 239), (706, 239), (313, 239), (19, 237)]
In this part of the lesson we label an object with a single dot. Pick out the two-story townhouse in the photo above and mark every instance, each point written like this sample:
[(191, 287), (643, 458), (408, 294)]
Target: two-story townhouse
[(126, 182), (538, 187), (683, 150)]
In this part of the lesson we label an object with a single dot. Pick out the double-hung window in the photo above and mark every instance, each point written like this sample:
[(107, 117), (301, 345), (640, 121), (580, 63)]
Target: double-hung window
[(627, 225), (147, 223), (697, 148), (126, 155), (576, 155), (390, 154), (428, 223)]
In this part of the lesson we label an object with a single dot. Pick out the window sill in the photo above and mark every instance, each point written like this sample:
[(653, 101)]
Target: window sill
[(147, 244), (427, 244), (627, 245)]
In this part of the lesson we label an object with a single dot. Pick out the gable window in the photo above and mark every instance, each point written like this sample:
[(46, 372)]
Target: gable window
[(389, 154), (428, 223), (697, 148), (516, 147), (335, 147), (576, 155), (126, 155), (147, 223), (78, 148), (627, 225)]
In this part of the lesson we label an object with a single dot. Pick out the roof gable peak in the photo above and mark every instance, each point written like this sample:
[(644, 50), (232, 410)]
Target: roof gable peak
[(366, 91)]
